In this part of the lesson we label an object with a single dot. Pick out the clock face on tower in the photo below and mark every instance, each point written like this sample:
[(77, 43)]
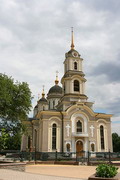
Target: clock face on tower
[(75, 54)]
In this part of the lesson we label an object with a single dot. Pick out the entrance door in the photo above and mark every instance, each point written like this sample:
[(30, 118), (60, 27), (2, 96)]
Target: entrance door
[(79, 148)]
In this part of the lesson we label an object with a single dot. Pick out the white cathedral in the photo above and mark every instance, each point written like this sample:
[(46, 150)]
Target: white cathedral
[(65, 120)]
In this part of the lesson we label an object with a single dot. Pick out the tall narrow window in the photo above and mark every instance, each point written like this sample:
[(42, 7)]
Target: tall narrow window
[(92, 147), (68, 147), (102, 137), (79, 127), (35, 139), (54, 133), (76, 85), (43, 108), (29, 142), (75, 65), (53, 104)]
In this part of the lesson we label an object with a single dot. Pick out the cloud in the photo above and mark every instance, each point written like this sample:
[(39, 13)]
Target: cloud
[(116, 128), (110, 69), (35, 35)]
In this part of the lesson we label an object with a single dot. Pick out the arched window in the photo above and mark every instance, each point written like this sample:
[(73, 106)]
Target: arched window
[(76, 85), (35, 139), (79, 127), (92, 147), (43, 108), (68, 147), (54, 134), (53, 104), (102, 137), (75, 65), (29, 142)]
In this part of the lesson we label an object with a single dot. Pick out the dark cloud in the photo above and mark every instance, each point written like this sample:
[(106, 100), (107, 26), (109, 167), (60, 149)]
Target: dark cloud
[(110, 69), (114, 107), (108, 5)]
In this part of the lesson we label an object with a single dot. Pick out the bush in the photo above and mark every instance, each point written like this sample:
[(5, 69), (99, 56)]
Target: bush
[(106, 170)]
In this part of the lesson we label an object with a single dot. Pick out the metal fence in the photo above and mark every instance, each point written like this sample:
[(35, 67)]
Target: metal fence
[(82, 157)]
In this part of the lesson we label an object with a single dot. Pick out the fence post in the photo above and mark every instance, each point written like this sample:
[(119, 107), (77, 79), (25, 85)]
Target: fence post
[(76, 156), (109, 156), (88, 160), (56, 155), (21, 157), (35, 156)]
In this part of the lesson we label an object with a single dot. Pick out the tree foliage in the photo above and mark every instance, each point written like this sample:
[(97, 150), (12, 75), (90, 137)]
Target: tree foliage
[(3, 139), (10, 137), (15, 99), (15, 104), (116, 142)]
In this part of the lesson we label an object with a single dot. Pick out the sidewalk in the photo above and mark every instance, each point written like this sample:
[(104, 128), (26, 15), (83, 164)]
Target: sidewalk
[(81, 172), (49, 172), (6, 174)]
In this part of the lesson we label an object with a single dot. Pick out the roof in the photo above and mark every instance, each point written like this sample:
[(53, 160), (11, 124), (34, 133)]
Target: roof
[(73, 53), (55, 89), (42, 100)]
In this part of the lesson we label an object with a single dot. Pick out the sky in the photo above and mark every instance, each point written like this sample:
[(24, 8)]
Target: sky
[(35, 35)]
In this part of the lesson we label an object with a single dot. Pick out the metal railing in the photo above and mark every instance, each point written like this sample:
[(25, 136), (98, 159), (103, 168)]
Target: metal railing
[(83, 157)]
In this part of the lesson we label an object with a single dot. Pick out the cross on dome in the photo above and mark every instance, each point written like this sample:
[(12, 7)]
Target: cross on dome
[(43, 93), (56, 81)]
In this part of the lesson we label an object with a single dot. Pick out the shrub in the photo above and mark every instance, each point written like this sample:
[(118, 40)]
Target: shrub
[(106, 170)]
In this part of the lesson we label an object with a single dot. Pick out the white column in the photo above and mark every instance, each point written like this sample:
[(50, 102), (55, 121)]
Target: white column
[(105, 140), (80, 87), (85, 127), (50, 140), (98, 140), (73, 145), (83, 87), (86, 146)]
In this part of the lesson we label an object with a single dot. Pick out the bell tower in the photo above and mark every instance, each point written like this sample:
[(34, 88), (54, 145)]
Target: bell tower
[(73, 81)]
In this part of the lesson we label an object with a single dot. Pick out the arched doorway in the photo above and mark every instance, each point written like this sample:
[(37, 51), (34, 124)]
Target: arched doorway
[(79, 148)]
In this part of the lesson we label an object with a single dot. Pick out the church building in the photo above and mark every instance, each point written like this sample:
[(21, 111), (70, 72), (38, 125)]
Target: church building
[(65, 120)]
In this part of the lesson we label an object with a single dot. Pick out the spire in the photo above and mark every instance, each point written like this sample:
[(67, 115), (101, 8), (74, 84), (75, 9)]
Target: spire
[(43, 93), (72, 39), (56, 81)]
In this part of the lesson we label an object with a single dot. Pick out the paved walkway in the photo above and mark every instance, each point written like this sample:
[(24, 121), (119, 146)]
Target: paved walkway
[(81, 172), (6, 174), (49, 172)]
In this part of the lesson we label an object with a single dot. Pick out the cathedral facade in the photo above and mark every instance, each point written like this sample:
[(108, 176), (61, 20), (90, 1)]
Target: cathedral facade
[(65, 120)]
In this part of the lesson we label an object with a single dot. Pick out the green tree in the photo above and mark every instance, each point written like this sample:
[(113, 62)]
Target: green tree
[(3, 139), (116, 142), (15, 104), (15, 99), (11, 133)]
